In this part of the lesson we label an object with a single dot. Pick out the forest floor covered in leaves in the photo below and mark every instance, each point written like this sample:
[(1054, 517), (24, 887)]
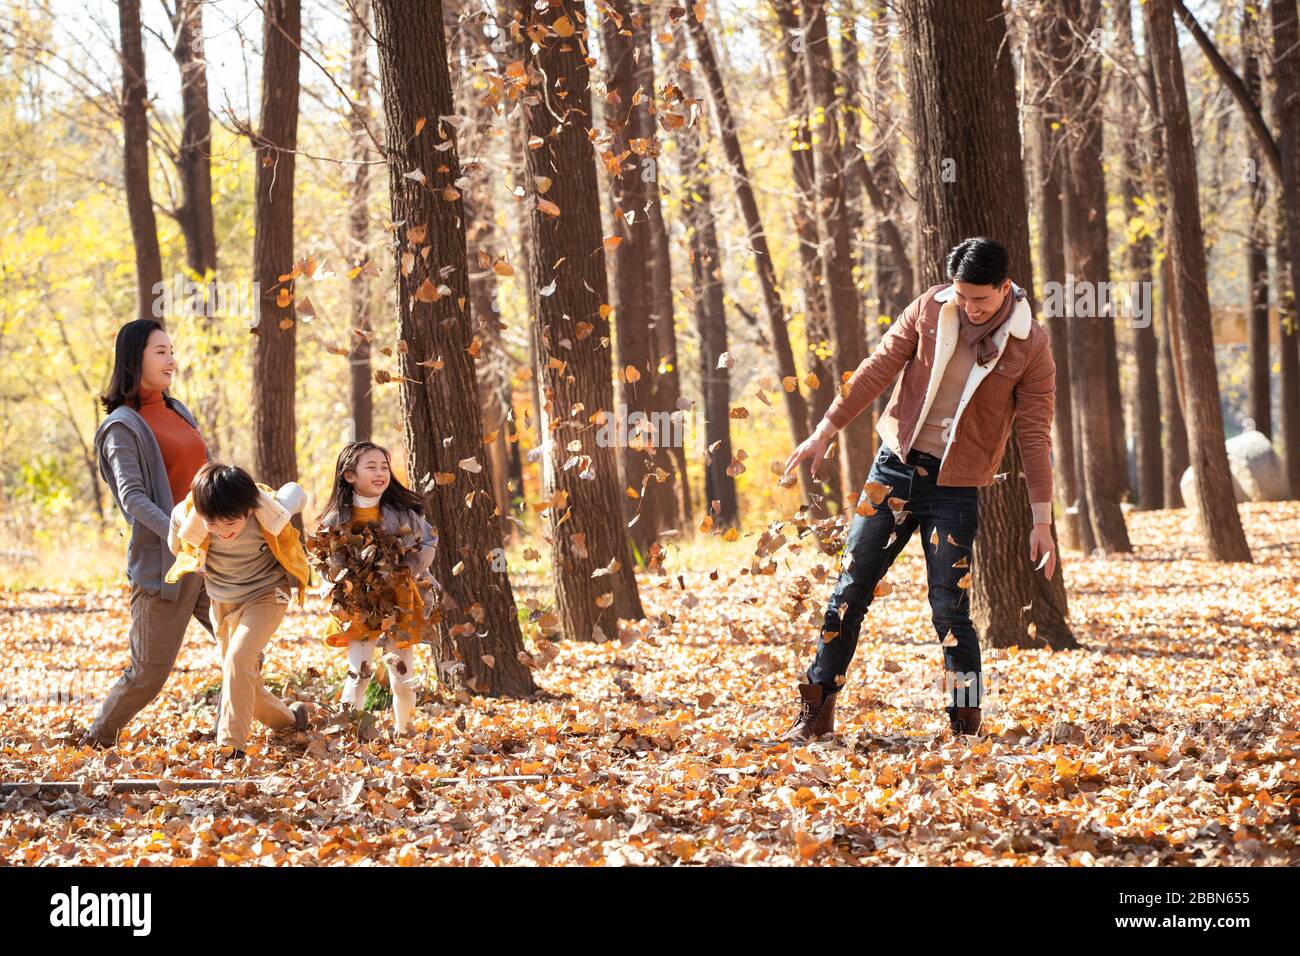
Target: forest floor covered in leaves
[(1170, 736)]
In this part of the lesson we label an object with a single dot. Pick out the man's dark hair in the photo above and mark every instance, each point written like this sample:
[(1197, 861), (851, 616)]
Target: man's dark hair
[(224, 492), (979, 261)]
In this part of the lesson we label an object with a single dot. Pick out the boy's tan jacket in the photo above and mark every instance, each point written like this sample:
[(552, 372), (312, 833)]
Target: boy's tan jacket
[(188, 537)]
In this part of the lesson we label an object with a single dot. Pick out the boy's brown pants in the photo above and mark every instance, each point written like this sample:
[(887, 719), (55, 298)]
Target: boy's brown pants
[(244, 630)]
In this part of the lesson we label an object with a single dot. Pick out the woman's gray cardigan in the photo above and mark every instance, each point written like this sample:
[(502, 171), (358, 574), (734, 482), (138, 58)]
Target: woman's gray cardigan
[(132, 465)]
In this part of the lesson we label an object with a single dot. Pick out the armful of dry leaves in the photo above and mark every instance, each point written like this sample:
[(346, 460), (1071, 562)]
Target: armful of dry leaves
[(365, 572)]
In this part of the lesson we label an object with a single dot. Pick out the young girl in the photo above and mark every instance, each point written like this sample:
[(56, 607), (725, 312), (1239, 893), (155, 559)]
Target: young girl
[(365, 491)]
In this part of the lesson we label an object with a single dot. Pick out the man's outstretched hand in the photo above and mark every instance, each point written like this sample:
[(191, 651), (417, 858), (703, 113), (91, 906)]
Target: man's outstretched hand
[(1042, 549), (812, 449)]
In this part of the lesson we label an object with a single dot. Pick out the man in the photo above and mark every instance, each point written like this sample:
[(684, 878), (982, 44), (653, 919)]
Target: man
[(972, 358)]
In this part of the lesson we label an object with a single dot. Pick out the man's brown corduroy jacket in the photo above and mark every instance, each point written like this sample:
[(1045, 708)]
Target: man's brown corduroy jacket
[(1020, 382)]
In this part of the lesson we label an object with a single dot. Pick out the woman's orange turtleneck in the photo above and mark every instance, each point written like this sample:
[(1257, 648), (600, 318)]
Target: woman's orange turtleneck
[(183, 449)]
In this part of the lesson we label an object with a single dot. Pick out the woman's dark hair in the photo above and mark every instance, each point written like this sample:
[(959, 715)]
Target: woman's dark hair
[(224, 492), (128, 360), (979, 261), (396, 495)]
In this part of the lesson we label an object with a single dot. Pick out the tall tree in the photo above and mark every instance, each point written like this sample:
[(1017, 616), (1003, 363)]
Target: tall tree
[(666, 378), (1092, 337), (135, 160), (194, 157), (1282, 155), (796, 406), (1075, 529), (193, 161), (1176, 457), (969, 109), (894, 279), (1193, 341), (893, 270), (1286, 107), (709, 304), (477, 100), (1174, 454), (275, 454), (479, 626), (644, 457), (359, 290), (855, 439), (1146, 386), (1284, 288), (1260, 381), (574, 365), (803, 211)]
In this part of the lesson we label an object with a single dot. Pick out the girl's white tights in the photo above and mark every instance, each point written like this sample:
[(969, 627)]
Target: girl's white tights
[(401, 678)]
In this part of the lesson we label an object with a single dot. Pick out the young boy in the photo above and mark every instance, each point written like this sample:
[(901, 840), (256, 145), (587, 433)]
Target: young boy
[(238, 533)]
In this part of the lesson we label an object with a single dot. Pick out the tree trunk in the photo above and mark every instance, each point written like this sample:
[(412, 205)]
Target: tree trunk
[(572, 329), (1176, 459), (847, 15), (480, 625), (275, 456), (193, 162), (482, 239), (796, 406), (1092, 337), (1289, 360), (1194, 345), (359, 290), (1051, 254), (855, 439), (1260, 388), (709, 308), (1146, 386), (194, 159), (804, 215), (135, 162), (666, 378), (894, 273), (625, 158), (1286, 107), (979, 80)]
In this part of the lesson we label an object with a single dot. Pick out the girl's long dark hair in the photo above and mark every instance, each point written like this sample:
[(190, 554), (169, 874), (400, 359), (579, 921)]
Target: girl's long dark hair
[(128, 360), (396, 495)]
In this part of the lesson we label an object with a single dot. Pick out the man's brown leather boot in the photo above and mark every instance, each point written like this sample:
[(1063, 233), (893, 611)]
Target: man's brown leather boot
[(966, 720), (816, 714)]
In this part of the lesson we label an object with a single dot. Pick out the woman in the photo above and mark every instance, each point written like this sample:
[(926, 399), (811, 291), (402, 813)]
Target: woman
[(149, 449)]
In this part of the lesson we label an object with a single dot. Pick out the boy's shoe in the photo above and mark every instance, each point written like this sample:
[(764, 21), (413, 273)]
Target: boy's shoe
[(90, 740), (300, 719)]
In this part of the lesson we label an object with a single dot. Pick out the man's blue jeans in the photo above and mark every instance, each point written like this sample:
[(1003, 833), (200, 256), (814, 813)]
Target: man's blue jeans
[(947, 518)]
